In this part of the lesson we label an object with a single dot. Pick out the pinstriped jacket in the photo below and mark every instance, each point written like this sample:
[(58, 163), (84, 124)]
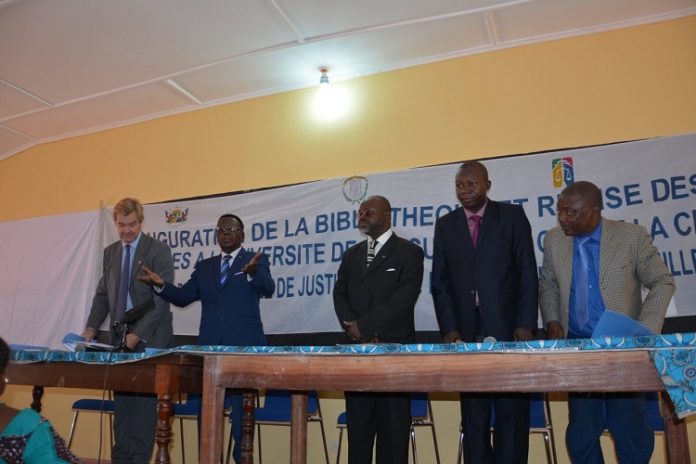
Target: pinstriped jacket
[(627, 261)]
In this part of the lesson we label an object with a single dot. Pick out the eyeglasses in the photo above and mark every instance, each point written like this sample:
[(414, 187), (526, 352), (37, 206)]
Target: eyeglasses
[(222, 230)]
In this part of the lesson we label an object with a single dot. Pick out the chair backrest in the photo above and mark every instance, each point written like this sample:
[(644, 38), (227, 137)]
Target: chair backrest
[(277, 406), (538, 417), (89, 404), (419, 405)]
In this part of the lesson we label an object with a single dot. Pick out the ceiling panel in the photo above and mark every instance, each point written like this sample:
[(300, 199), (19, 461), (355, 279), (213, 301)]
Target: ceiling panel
[(403, 46), (311, 19), (542, 17), (10, 141), (259, 74), (62, 50), (95, 64), (345, 57), (15, 102), (98, 112)]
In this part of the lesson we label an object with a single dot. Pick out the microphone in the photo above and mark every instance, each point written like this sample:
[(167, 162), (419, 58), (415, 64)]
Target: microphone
[(136, 313)]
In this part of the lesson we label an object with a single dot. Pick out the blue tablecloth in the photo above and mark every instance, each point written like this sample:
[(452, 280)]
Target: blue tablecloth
[(674, 355)]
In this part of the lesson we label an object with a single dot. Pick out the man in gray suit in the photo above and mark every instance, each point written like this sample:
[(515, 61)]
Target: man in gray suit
[(591, 265), (135, 416)]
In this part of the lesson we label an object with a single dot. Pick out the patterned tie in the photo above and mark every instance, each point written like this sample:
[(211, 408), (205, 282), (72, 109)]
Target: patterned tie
[(122, 297), (582, 283), (371, 252), (224, 269), (474, 225)]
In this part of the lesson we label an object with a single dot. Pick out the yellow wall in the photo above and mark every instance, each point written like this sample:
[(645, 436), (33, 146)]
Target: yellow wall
[(620, 85)]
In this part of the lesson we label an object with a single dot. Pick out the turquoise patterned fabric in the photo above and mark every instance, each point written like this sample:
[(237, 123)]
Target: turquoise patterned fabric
[(674, 355)]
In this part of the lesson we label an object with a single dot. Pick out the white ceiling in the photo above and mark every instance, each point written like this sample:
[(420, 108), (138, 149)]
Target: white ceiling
[(70, 67)]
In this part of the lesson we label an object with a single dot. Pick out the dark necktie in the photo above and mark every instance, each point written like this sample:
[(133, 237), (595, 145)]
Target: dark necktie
[(474, 225), (371, 252), (122, 297), (224, 270), (582, 284)]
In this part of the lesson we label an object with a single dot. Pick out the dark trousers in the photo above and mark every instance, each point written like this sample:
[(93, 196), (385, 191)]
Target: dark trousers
[(386, 416), (511, 431), (135, 418), (623, 414), (235, 401)]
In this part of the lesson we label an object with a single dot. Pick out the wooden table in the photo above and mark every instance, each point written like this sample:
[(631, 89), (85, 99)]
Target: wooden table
[(597, 371), (165, 375)]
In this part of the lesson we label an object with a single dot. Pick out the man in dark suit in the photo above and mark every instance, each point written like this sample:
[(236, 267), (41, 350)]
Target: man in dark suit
[(484, 284), (135, 416), (229, 286), (378, 283)]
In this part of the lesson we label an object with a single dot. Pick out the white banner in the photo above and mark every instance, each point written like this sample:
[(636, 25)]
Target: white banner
[(49, 268), (304, 229)]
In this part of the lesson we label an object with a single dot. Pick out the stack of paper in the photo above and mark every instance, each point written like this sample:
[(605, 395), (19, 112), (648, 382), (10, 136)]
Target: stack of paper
[(75, 342)]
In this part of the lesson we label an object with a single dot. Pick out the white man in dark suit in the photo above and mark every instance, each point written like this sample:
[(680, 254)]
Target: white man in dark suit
[(591, 265), (118, 291), (378, 283)]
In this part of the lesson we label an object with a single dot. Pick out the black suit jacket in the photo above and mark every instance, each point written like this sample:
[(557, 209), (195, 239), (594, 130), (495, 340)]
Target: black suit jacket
[(502, 268), (382, 297)]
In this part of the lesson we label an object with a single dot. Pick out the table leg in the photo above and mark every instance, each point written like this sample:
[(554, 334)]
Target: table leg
[(247, 447), (676, 436), (210, 450), (163, 433), (298, 430), (36, 395)]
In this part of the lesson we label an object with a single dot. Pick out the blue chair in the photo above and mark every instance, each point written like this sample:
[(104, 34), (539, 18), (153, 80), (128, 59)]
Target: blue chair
[(539, 422), (421, 416), (189, 409), (92, 405), (185, 410), (277, 410)]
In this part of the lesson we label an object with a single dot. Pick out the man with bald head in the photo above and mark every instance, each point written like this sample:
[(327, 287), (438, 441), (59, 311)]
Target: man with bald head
[(484, 284), (592, 264), (378, 283)]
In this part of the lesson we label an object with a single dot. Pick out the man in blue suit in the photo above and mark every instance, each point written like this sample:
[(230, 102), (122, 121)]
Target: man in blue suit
[(229, 287), (484, 284)]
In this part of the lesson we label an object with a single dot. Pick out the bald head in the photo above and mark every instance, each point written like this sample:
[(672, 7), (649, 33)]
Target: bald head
[(588, 191), (579, 208), (472, 185), (374, 216), (474, 166)]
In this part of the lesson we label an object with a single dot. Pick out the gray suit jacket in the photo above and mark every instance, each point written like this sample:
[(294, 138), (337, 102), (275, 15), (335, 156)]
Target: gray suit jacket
[(156, 326), (627, 260)]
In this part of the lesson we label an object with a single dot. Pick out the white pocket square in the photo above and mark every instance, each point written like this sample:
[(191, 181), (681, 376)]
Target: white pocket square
[(391, 269)]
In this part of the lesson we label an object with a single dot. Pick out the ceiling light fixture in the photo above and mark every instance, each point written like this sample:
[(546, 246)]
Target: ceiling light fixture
[(331, 101), (324, 79)]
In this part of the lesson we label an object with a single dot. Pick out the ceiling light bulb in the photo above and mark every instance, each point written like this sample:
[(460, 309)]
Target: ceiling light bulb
[(324, 80)]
